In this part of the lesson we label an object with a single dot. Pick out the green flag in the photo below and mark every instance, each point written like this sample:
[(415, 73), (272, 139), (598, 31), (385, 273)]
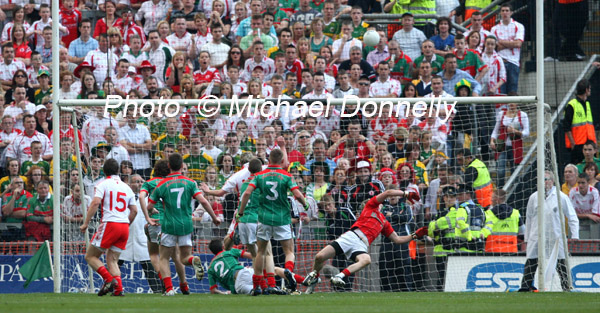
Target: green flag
[(39, 266)]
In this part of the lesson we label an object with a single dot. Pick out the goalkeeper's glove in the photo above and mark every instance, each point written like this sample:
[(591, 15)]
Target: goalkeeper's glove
[(419, 233)]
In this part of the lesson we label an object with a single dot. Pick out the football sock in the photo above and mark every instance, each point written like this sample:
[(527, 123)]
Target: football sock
[(271, 279), (105, 274), (298, 278), (346, 272), (289, 265), (190, 260), (119, 287), (256, 280), (168, 283), (159, 276), (184, 286)]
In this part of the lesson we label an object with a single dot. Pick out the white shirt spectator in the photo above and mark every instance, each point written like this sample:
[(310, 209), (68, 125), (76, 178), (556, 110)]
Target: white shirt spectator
[(346, 52), (92, 130), (99, 59), (152, 14), (161, 57), (379, 88), (20, 147), (483, 33), (513, 31), (119, 153), (177, 42), (7, 71), (497, 72), (138, 135), (124, 83), (330, 122), (590, 203), (410, 42), (218, 52), (267, 64)]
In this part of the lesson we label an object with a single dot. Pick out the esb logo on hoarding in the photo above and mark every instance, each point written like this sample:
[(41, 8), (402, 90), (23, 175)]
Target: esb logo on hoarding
[(586, 277), (495, 276)]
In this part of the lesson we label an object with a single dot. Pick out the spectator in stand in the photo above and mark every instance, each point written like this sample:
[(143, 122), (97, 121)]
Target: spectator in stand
[(181, 39), (585, 200), (152, 12), (381, 52), (188, 11), (13, 171), (444, 40), (451, 75), (589, 156), (129, 28), (216, 48), (496, 76), (72, 214), (14, 209), (592, 170), (356, 58), (409, 38), (384, 86), (20, 149), (400, 63), (510, 35), (413, 152), (159, 55), (21, 45), (9, 66), (512, 126), (319, 151), (436, 62), (320, 178), (93, 176), (346, 45), (18, 19), (110, 20), (423, 83), (101, 58), (477, 26), (71, 18), (305, 13), (473, 41), (344, 88), (365, 146), (136, 139), (80, 47), (39, 214), (570, 176), (366, 186), (468, 60)]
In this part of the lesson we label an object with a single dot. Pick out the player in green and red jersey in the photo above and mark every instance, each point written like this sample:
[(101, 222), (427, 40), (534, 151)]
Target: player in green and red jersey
[(161, 170), (226, 270), (274, 219), (176, 193)]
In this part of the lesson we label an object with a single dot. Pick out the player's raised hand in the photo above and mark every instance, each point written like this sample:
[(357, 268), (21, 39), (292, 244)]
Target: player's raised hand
[(421, 232)]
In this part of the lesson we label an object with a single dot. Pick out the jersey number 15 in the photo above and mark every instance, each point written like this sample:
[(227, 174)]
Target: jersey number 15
[(119, 199)]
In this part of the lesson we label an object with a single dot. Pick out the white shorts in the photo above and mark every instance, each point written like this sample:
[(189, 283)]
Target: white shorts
[(168, 240), (351, 245), (243, 281), (154, 234), (247, 233), (279, 233)]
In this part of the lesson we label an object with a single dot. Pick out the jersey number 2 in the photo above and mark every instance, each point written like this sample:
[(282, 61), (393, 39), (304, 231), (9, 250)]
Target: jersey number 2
[(273, 189), (219, 267)]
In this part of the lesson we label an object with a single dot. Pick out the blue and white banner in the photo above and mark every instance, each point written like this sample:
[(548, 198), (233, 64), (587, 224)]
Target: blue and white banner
[(502, 274), (76, 276)]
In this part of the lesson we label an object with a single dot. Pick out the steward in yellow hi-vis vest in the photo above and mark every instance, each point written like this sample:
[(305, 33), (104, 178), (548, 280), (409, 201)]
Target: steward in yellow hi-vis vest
[(578, 123), (442, 230), (477, 177), (470, 220)]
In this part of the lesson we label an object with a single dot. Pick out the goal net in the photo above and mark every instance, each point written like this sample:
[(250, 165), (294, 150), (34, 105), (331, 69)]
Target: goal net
[(337, 170)]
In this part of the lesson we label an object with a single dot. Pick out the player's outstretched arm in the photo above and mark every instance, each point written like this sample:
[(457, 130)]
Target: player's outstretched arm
[(244, 201), (418, 234), (216, 193), (216, 291), (389, 193), (208, 209), (92, 209), (299, 196)]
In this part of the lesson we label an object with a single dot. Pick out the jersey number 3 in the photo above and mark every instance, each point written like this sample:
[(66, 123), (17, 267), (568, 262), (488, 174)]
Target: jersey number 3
[(273, 190)]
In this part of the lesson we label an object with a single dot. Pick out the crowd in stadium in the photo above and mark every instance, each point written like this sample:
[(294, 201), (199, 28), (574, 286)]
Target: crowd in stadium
[(296, 49)]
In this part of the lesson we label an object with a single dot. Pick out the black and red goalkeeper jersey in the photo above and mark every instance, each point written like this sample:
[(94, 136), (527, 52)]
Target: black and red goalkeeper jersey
[(372, 222)]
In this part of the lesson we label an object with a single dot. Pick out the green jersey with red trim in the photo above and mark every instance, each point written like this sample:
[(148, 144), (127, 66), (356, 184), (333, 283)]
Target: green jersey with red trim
[(176, 193), (274, 184)]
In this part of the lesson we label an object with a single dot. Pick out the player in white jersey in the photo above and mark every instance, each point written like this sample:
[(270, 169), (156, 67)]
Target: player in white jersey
[(118, 211)]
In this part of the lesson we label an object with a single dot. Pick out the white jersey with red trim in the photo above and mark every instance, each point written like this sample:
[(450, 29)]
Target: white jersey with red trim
[(234, 183), (116, 198)]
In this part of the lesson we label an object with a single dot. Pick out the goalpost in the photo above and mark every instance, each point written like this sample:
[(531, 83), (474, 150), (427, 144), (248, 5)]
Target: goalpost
[(535, 104)]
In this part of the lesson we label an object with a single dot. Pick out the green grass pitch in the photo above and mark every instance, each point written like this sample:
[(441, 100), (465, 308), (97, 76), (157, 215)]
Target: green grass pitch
[(319, 302)]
